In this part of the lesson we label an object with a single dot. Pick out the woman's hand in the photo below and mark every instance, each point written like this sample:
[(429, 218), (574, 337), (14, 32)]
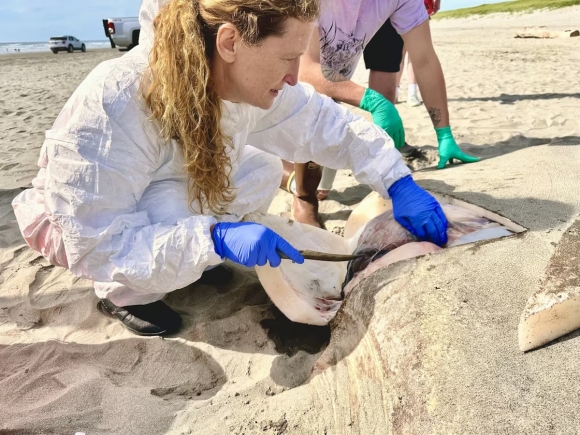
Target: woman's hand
[(252, 244), (416, 210)]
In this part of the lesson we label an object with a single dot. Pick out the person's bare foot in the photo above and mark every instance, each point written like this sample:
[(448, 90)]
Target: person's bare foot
[(305, 211), (322, 194)]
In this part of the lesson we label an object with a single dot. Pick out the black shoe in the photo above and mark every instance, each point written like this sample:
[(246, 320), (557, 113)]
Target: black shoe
[(150, 319), (219, 275), (408, 151)]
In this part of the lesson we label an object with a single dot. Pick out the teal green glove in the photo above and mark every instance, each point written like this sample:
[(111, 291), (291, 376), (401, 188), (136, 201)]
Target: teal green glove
[(448, 149), (384, 115)]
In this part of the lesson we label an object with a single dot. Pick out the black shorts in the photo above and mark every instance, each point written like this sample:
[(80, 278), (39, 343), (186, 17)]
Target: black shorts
[(384, 51)]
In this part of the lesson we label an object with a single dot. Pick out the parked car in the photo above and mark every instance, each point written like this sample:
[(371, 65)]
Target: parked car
[(66, 43), (123, 31)]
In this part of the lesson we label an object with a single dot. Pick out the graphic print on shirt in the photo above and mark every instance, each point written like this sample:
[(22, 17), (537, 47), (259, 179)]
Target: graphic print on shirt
[(338, 50)]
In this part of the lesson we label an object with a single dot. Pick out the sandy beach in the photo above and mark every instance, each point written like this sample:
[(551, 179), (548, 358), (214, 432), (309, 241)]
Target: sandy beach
[(238, 366)]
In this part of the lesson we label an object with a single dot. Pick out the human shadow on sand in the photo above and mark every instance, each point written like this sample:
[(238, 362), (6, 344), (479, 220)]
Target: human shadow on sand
[(350, 195), (127, 386), (547, 213), (516, 143), (513, 98), (427, 158), (490, 151), (337, 215)]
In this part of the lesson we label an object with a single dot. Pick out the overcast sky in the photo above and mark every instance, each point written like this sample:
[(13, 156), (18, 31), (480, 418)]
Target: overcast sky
[(38, 20)]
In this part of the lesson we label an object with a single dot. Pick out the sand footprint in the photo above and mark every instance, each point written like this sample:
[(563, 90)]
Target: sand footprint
[(88, 382), (171, 370), (54, 286), (8, 166)]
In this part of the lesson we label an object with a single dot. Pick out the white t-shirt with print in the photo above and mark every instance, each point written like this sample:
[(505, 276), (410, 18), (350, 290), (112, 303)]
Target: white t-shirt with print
[(346, 26)]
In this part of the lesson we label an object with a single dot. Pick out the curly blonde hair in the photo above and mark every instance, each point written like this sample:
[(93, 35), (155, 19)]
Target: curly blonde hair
[(180, 92)]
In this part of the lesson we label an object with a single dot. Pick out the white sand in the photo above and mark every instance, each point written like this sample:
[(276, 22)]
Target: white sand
[(233, 369)]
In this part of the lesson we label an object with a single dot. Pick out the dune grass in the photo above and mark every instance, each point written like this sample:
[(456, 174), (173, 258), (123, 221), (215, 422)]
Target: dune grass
[(509, 6)]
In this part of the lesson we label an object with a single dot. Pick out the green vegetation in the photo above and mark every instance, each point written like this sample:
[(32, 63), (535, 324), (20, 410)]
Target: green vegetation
[(509, 6)]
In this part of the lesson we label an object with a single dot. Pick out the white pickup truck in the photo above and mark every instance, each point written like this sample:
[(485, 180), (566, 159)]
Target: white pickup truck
[(123, 32)]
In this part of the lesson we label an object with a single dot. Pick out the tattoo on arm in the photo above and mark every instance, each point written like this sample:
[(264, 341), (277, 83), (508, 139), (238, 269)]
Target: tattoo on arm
[(331, 75), (435, 115)]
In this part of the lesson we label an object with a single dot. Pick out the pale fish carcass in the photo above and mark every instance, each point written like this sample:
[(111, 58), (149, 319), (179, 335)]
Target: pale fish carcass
[(313, 292)]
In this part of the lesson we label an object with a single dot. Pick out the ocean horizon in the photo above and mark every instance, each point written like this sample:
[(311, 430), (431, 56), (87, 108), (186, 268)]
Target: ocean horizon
[(40, 46)]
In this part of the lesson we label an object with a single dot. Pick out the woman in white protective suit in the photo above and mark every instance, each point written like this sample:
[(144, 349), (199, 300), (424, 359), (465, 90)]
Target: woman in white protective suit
[(156, 157)]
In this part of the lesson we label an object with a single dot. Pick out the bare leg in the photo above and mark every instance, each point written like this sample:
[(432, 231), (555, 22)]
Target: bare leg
[(401, 68), (305, 205), (410, 73), (384, 83), (289, 181), (306, 178)]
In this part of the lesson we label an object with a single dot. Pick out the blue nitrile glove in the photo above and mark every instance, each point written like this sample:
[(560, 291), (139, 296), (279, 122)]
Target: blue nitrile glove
[(448, 149), (385, 115), (251, 244), (417, 211)]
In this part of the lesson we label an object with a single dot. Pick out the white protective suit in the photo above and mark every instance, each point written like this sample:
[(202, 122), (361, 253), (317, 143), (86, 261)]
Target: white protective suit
[(110, 199)]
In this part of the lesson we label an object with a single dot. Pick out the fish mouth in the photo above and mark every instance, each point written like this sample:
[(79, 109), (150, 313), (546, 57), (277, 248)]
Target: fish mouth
[(357, 265), (368, 256)]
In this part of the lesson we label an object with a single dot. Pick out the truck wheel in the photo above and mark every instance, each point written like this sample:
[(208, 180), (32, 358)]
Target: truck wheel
[(83, 48), (135, 38), (54, 51), (70, 48)]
